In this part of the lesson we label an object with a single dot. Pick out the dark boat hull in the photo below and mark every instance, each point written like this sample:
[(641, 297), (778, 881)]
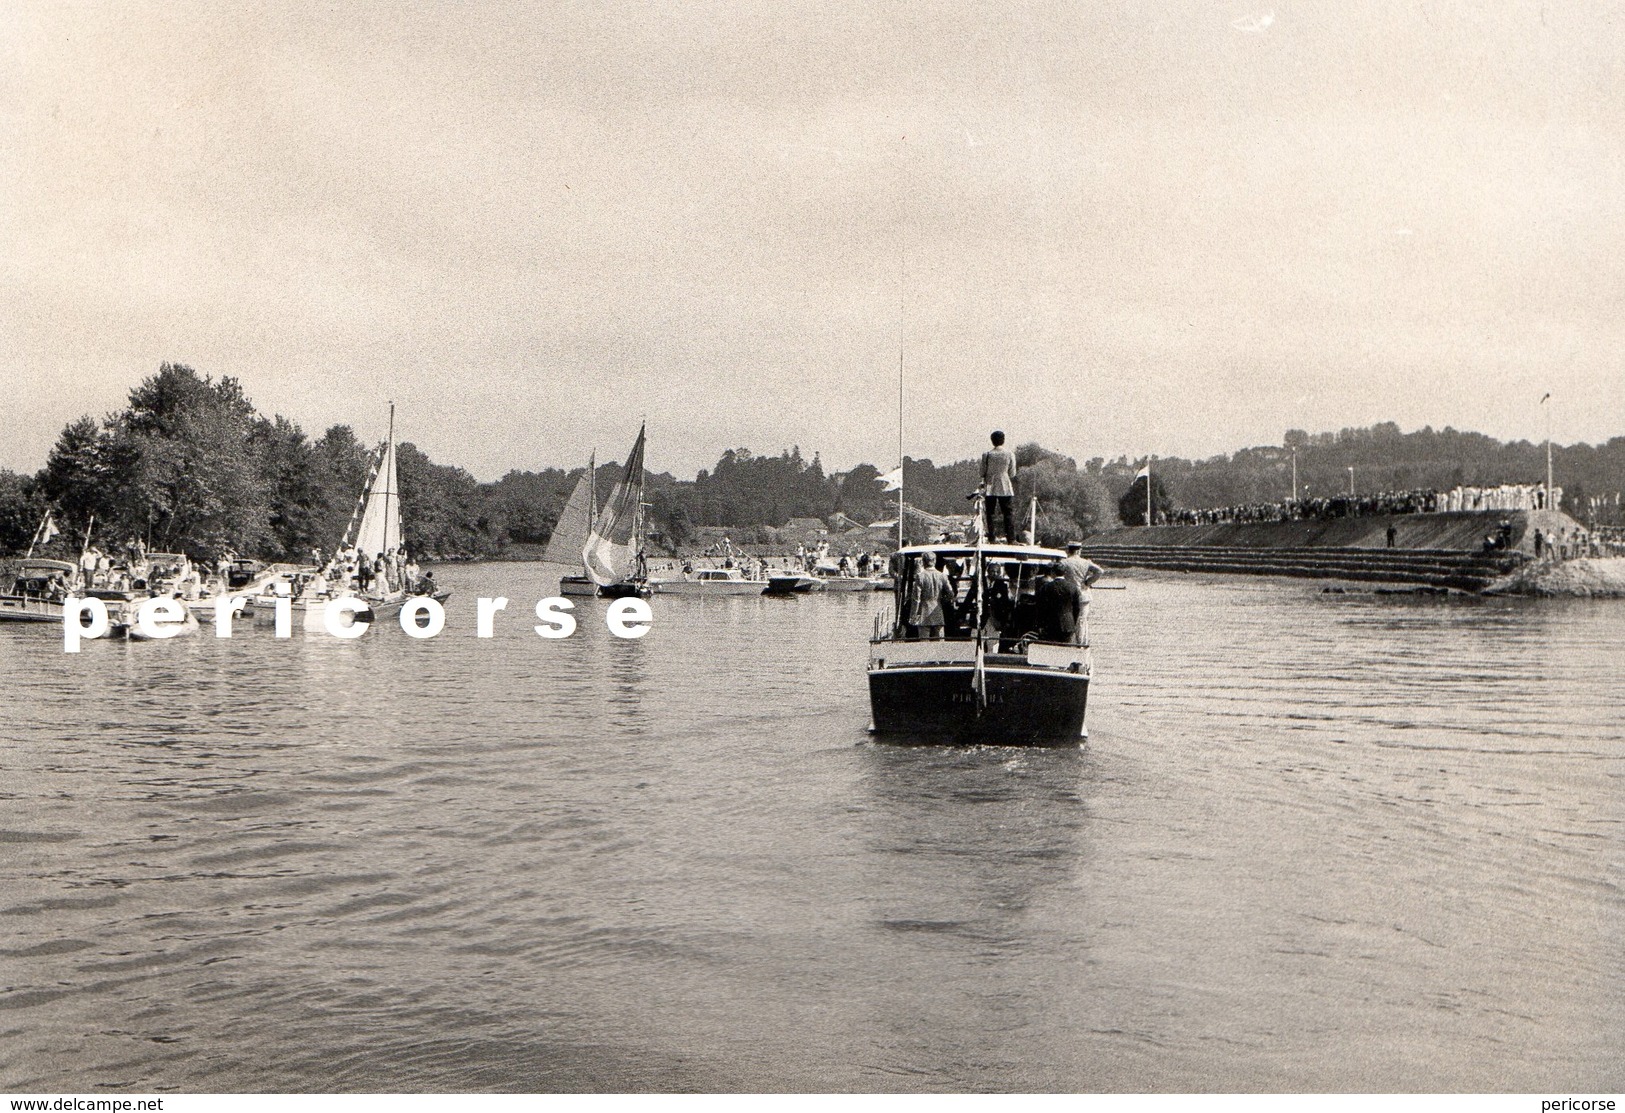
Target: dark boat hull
[(626, 589), (937, 704)]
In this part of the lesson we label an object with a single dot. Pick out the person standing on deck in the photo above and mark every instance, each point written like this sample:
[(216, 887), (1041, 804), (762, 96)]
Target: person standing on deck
[(999, 485), (1082, 572), (926, 593), (1059, 604)]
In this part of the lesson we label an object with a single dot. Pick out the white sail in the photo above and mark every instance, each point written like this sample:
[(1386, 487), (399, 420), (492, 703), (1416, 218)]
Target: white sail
[(611, 552), (380, 529), (575, 523)]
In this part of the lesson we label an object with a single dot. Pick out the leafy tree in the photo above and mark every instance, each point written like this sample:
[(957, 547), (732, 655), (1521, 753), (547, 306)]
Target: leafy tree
[(1071, 504), (440, 507), (21, 510)]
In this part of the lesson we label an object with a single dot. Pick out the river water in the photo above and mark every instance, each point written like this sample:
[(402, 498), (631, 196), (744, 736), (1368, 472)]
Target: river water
[(1315, 842)]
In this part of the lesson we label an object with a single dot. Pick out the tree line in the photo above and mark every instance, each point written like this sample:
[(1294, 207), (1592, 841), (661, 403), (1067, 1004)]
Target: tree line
[(189, 464)]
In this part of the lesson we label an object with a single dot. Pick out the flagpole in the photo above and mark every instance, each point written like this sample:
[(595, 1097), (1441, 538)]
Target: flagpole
[(1148, 460), (32, 541)]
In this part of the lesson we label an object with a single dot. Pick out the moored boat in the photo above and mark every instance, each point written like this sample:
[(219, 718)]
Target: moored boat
[(710, 581), (38, 590), (837, 582), (791, 582), (124, 625)]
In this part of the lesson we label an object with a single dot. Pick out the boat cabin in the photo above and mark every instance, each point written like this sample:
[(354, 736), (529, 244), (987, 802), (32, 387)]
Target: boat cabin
[(243, 571), (1008, 590), (37, 578), (1003, 671)]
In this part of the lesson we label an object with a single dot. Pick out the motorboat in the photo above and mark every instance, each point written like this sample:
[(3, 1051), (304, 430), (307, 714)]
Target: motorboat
[(38, 590), (835, 581), (992, 678), (123, 625), (710, 581), (791, 582), (579, 586)]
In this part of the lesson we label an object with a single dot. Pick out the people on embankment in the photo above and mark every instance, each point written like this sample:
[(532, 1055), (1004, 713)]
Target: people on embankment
[(1507, 496)]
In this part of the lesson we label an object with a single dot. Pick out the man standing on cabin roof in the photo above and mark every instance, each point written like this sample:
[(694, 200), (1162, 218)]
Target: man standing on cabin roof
[(999, 485)]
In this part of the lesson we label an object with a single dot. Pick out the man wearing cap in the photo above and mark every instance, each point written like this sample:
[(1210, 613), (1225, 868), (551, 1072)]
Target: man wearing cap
[(999, 485), (1082, 572)]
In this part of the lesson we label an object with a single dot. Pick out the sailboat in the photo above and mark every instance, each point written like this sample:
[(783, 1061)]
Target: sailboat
[(376, 533), (613, 554), (570, 535)]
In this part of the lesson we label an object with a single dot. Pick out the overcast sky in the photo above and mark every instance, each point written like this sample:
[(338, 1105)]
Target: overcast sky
[(1176, 227)]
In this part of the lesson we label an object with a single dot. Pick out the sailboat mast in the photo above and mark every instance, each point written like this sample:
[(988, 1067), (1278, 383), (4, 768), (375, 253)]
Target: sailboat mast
[(390, 481), (592, 489)]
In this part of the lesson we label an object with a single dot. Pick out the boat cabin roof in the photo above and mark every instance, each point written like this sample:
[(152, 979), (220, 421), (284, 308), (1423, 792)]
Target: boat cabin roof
[(959, 550), (718, 574), (40, 564)]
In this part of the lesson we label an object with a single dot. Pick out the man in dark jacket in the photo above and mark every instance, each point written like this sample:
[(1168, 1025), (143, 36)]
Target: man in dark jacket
[(1059, 602)]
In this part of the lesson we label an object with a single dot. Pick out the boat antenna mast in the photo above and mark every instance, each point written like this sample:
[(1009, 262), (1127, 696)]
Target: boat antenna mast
[(902, 334)]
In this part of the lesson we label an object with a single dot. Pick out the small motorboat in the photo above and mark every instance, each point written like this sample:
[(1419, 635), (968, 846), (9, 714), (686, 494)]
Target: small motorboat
[(710, 581), (838, 582), (124, 625), (39, 589), (791, 582)]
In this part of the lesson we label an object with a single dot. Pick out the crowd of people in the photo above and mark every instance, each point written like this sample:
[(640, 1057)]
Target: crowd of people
[(1290, 510), (1573, 544), (131, 569), (1045, 602), (379, 576), (1506, 496), (817, 559)]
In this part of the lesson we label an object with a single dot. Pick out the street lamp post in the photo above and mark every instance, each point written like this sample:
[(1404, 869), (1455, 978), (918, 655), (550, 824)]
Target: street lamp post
[(1545, 405), (1294, 473)]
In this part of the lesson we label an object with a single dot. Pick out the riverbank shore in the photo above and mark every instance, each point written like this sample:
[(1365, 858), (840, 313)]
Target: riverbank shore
[(1586, 578)]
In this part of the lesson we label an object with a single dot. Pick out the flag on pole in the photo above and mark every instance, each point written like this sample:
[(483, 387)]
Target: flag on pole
[(48, 528), (1143, 473), (893, 479)]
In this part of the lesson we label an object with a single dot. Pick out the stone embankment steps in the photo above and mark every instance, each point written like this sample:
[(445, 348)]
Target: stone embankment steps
[(1431, 567), (1438, 550), (1461, 531)]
